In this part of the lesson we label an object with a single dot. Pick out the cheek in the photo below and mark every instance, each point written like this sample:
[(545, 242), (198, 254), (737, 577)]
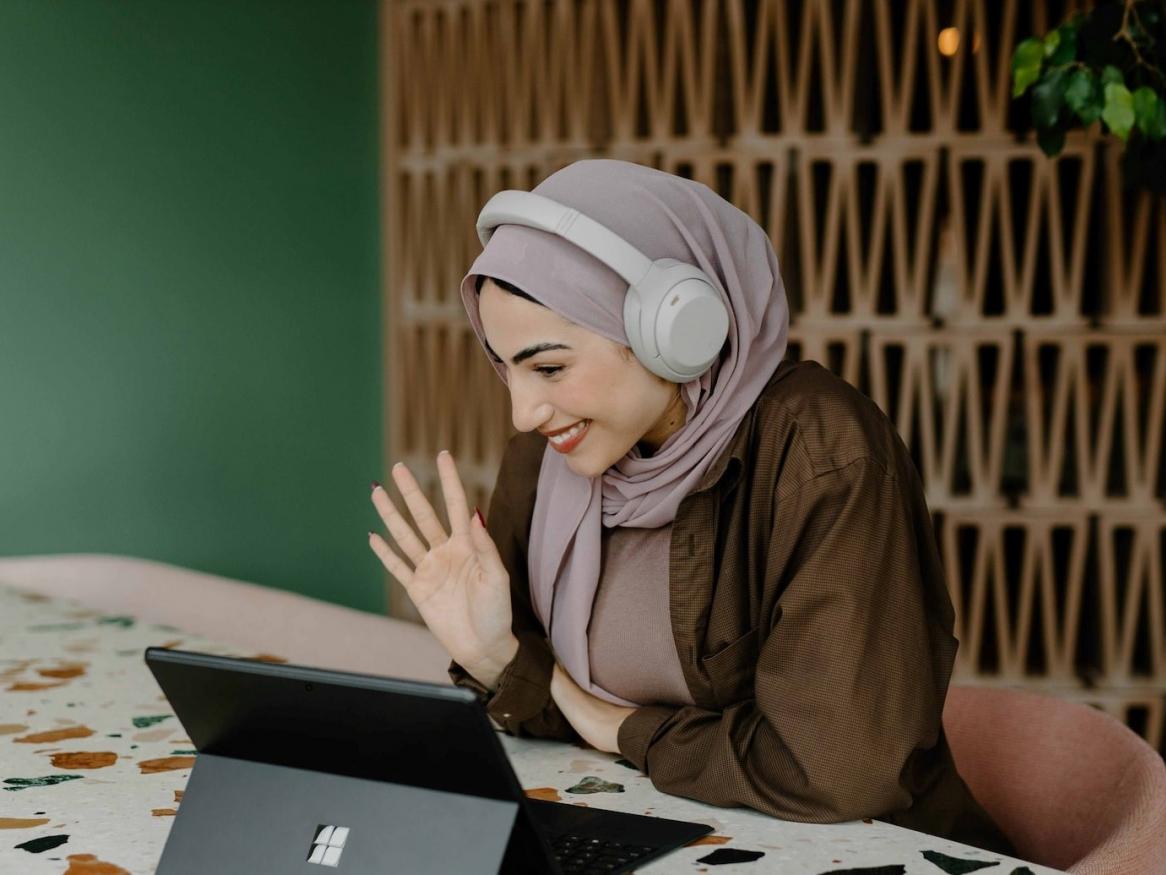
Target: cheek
[(572, 401), (587, 394)]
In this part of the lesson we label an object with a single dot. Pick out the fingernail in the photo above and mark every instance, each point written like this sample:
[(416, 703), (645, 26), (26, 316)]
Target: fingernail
[(375, 487), (370, 533), (481, 518)]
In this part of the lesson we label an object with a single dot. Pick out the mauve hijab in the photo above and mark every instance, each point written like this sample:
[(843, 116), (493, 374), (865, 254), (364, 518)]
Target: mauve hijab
[(664, 216)]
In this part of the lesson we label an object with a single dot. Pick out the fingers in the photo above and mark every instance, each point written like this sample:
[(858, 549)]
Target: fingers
[(392, 562), (455, 495), (398, 526), (419, 506), (486, 549)]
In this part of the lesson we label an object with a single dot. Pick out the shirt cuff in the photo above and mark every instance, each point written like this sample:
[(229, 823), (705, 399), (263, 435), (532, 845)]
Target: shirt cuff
[(524, 686), (637, 732)]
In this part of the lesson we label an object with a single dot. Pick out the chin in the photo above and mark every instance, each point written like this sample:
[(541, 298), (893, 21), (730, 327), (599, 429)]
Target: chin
[(589, 465), (582, 468)]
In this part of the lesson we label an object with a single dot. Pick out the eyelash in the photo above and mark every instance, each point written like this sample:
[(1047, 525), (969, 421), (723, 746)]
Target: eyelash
[(545, 370)]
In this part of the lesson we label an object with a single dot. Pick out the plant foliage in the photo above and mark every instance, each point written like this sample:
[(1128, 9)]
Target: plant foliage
[(1109, 65)]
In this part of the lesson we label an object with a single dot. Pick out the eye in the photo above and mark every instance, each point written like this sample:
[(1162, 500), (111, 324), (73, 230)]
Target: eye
[(548, 370)]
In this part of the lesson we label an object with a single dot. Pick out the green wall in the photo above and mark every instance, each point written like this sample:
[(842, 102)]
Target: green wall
[(189, 308)]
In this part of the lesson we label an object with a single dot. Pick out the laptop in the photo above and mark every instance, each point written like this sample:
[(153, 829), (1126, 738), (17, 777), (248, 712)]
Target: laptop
[(306, 770)]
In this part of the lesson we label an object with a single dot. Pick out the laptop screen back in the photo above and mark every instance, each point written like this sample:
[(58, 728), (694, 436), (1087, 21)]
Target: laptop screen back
[(382, 729), (413, 774)]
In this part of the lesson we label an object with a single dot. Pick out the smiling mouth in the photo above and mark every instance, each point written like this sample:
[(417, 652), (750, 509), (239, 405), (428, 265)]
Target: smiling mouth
[(566, 441)]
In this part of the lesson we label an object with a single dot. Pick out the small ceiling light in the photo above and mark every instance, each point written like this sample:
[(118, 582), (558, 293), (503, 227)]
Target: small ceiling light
[(948, 41)]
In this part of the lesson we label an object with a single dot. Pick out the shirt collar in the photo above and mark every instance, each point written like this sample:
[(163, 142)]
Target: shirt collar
[(734, 456)]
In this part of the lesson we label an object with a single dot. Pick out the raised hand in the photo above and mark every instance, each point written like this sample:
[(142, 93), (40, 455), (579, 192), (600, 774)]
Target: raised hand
[(456, 580)]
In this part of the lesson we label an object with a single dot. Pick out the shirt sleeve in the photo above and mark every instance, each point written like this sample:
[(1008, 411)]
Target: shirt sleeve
[(521, 701), (850, 675)]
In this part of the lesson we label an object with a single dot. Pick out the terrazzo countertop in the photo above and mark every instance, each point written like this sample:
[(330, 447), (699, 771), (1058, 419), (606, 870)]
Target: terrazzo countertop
[(93, 764)]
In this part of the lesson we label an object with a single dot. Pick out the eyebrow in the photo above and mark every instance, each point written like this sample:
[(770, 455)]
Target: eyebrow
[(523, 355)]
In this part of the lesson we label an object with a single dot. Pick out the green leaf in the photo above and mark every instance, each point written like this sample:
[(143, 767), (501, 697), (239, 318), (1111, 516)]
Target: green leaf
[(1156, 129), (1066, 48), (1145, 108), (1083, 95), (1051, 140), (1111, 76), (1051, 41), (1118, 114), (1048, 97), (1028, 52), (1026, 63)]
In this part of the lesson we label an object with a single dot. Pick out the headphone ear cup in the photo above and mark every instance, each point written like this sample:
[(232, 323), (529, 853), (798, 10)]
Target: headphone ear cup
[(675, 320), (639, 333), (691, 328)]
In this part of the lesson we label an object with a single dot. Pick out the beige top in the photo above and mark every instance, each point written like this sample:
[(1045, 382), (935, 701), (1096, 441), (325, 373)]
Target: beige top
[(632, 649)]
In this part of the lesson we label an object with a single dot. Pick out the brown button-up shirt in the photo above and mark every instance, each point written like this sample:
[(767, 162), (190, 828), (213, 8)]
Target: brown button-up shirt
[(810, 616)]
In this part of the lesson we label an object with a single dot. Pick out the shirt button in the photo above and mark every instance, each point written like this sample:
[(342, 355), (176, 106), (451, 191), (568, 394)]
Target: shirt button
[(506, 716)]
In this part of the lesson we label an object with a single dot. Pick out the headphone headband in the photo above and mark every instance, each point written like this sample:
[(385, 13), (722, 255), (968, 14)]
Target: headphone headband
[(542, 213)]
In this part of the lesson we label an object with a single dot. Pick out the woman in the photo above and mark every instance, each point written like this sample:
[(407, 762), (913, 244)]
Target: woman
[(732, 579)]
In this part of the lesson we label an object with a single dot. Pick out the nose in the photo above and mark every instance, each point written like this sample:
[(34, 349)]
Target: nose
[(529, 406)]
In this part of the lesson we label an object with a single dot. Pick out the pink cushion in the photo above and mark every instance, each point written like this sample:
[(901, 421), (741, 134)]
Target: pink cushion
[(254, 618), (1072, 787)]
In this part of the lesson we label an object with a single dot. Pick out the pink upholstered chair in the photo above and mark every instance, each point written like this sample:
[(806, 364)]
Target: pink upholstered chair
[(1073, 788)]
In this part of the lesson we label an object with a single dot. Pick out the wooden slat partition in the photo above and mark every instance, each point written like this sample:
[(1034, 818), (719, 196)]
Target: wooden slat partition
[(1007, 311)]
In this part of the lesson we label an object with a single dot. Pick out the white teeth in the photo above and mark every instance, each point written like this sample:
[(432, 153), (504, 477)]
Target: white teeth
[(567, 435)]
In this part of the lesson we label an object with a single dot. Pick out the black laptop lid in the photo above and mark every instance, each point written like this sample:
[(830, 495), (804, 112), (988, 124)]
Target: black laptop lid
[(385, 729)]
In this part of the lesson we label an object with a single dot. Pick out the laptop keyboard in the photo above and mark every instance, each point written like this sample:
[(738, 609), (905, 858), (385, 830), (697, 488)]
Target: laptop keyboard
[(592, 856)]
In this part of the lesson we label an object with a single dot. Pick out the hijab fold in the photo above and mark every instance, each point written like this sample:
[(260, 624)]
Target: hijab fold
[(664, 216)]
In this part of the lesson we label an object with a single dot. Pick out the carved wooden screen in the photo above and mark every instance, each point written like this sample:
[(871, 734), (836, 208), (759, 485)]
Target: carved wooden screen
[(1007, 311)]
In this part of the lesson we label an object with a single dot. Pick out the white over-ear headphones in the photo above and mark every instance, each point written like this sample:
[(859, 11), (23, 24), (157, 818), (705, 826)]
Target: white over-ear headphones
[(675, 319)]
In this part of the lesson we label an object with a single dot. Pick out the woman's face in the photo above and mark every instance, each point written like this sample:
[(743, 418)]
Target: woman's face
[(562, 376)]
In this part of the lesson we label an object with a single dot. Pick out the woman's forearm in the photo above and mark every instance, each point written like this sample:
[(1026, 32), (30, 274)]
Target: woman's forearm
[(594, 719)]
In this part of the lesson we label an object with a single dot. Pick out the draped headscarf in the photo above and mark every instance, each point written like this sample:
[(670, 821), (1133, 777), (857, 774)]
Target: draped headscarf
[(664, 216)]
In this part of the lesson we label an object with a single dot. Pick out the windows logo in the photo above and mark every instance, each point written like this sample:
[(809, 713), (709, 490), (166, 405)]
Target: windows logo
[(328, 845)]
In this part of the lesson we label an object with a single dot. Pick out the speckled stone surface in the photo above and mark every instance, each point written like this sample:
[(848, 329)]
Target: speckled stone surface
[(93, 763), (548, 769)]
